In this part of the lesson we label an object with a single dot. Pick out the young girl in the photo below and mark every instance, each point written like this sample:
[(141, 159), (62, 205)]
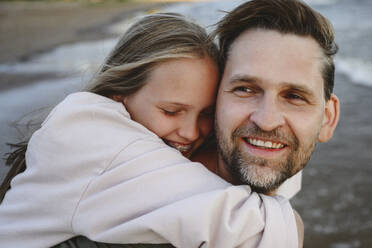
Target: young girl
[(107, 163)]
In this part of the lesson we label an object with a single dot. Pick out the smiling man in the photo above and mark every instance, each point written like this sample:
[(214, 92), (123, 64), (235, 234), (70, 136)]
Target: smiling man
[(275, 100)]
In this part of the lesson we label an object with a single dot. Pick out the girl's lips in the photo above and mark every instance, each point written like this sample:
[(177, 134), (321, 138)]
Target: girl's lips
[(183, 148)]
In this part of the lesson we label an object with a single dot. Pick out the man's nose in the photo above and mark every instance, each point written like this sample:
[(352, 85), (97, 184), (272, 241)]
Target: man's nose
[(267, 114), (189, 129)]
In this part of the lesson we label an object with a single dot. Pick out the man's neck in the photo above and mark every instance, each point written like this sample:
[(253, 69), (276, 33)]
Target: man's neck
[(206, 156), (210, 158), (222, 171)]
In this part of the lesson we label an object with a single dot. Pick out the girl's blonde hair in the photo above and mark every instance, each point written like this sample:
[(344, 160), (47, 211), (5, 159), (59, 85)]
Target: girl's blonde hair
[(154, 39)]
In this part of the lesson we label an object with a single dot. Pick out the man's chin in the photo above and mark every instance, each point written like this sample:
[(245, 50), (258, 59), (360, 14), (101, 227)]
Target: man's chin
[(262, 179)]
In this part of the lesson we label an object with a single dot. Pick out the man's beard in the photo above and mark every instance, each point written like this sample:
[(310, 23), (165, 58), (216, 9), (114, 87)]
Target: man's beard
[(263, 175)]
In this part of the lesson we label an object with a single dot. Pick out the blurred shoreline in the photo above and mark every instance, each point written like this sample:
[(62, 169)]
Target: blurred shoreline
[(29, 28)]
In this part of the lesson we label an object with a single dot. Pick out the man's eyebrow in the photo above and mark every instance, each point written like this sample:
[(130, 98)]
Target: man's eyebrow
[(252, 79), (245, 78), (239, 78)]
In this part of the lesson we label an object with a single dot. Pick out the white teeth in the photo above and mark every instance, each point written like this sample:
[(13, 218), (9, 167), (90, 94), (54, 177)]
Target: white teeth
[(260, 143), (181, 148), (267, 144), (277, 145)]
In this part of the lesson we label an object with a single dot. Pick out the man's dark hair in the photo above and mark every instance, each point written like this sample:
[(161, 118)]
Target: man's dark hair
[(284, 16)]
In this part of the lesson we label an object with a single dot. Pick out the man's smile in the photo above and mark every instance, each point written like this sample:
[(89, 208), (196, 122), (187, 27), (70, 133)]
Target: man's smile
[(264, 143), (264, 148)]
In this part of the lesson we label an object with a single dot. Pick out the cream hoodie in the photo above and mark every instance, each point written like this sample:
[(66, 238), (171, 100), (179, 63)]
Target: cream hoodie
[(92, 171)]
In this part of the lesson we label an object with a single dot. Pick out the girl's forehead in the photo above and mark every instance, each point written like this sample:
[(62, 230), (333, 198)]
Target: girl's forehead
[(184, 81)]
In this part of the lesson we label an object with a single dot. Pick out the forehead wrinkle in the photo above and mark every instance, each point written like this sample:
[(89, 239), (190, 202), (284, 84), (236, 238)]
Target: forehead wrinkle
[(244, 78)]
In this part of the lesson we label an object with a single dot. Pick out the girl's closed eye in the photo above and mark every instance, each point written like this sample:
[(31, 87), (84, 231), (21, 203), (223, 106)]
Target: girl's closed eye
[(170, 112)]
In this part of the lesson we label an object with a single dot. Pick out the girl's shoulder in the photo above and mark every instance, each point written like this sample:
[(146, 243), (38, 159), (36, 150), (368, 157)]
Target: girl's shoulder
[(91, 114), (85, 127), (89, 102)]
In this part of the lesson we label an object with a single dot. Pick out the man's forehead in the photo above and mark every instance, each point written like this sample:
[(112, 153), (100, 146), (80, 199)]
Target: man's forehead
[(271, 56), (255, 36), (270, 44)]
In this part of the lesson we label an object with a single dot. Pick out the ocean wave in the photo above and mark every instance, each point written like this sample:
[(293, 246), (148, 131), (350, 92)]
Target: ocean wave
[(82, 57), (358, 70)]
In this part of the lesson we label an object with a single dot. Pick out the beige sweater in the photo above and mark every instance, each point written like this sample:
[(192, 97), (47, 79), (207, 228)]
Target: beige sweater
[(92, 171)]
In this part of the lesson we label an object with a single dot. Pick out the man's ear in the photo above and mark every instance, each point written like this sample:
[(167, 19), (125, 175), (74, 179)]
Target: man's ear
[(330, 120)]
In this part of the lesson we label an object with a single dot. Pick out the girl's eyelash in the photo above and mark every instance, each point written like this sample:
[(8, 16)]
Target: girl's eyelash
[(167, 112)]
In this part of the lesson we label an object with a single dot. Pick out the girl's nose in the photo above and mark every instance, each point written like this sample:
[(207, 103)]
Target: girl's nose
[(189, 130)]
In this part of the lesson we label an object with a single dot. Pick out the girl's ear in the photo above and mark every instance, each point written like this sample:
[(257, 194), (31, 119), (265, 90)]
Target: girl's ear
[(118, 98), (330, 120)]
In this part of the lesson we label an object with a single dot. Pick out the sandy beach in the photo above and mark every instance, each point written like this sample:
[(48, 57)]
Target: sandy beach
[(334, 201)]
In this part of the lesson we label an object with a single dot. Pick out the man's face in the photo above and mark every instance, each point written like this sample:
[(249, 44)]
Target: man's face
[(270, 108)]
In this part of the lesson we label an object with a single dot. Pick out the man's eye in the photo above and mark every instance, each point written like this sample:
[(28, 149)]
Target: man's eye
[(242, 91), (242, 88), (294, 96)]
